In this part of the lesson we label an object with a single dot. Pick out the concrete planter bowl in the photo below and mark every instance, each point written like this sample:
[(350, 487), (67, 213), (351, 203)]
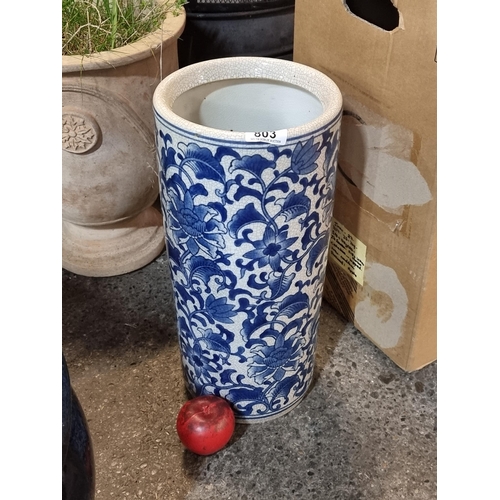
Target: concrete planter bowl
[(110, 224)]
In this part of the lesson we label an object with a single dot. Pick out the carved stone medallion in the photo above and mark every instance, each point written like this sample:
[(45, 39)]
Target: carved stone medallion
[(80, 132)]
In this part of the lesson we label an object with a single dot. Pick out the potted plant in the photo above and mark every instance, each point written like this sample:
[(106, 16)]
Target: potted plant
[(115, 52)]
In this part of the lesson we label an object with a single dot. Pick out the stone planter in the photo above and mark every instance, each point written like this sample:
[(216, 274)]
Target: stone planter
[(247, 148), (110, 225)]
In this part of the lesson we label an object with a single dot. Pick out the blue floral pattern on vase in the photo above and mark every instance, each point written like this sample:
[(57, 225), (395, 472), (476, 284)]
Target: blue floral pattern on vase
[(247, 230)]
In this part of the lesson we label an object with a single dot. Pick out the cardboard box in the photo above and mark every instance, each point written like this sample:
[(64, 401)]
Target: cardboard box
[(382, 265)]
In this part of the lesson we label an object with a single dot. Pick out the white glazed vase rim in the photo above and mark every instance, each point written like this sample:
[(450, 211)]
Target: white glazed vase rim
[(290, 72)]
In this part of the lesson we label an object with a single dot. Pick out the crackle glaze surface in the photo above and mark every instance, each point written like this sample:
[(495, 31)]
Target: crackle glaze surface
[(247, 230)]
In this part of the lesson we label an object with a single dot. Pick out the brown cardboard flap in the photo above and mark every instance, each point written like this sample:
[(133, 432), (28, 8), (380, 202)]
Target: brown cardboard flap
[(386, 179)]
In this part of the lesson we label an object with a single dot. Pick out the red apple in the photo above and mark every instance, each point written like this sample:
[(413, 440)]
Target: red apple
[(205, 424)]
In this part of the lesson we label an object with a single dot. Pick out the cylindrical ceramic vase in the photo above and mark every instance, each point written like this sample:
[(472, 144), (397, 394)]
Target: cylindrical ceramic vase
[(247, 151)]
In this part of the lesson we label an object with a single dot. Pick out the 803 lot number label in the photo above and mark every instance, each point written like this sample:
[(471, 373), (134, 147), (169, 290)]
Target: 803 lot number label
[(270, 136)]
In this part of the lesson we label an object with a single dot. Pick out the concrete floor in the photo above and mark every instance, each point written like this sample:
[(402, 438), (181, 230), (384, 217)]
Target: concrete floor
[(366, 430)]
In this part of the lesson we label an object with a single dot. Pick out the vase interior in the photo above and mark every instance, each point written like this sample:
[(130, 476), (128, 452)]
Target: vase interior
[(248, 105)]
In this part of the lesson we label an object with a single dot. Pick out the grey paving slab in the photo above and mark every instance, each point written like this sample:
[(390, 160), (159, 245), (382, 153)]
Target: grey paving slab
[(366, 429)]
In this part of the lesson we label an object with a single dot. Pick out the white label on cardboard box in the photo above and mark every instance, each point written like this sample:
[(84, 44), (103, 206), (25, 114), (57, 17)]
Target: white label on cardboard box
[(347, 251)]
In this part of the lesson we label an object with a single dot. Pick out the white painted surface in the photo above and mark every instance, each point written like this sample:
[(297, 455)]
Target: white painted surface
[(377, 160), (383, 310)]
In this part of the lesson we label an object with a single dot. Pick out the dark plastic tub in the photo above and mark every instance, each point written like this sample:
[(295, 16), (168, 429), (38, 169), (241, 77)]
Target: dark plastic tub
[(222, 29)]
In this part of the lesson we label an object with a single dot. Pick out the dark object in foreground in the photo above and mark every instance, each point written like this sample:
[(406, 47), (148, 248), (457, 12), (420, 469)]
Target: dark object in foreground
[(78, 471)]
